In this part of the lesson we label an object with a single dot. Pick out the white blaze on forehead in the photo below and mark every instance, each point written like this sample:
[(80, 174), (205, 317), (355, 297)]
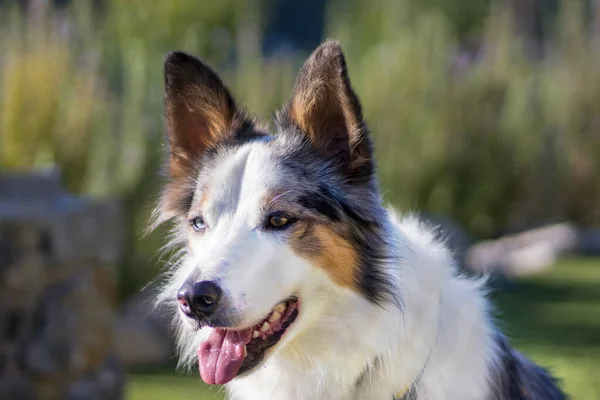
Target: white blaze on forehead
[(238, 182)]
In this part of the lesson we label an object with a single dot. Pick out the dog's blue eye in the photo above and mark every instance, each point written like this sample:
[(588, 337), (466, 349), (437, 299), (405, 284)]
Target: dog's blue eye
[(198, 224)]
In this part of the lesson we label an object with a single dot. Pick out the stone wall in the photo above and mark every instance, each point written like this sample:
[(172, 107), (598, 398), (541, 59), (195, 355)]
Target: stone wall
[(57, 292)]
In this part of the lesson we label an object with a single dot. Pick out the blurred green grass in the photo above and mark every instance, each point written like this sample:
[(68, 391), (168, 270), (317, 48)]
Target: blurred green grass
[(165, 385), (553, 318)]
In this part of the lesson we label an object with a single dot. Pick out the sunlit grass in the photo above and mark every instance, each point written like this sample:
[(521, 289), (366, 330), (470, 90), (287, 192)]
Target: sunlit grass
[(555, 319), (167, 386)]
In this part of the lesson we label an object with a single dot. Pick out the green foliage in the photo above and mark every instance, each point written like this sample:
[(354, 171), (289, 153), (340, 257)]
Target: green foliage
[(498, 144), (504, 142), (554, 318)]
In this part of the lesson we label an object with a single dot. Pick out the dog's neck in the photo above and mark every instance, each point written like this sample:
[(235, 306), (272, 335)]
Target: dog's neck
[(340, 356), (348, 355)]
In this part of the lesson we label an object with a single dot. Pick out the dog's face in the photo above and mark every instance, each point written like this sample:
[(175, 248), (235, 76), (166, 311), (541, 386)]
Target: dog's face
[(271, 225)]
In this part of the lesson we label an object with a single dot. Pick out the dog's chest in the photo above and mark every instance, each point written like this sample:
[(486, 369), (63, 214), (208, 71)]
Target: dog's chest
[(279, 389), (284, 384), (255, 392)]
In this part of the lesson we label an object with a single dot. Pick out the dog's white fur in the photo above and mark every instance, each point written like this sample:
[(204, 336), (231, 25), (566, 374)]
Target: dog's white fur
[(440, 339)]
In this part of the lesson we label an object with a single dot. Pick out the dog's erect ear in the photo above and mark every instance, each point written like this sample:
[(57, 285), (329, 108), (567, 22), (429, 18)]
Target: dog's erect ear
[(200, 112), (325, 107)]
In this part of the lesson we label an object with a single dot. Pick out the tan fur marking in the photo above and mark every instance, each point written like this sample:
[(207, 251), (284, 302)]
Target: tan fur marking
[(320, 102), (199, 119), (325, 107), (214, 109), (200, 111), (204, 198), (328, 251)]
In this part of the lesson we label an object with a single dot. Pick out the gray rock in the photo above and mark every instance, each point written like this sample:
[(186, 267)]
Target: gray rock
[(141, 332), (87, 230), (77, 227), (589, 242), (7, 251), (37, 185), (16, 387), (524, 253), (57, 292), (39, 359), (110, 379), (85, 389)]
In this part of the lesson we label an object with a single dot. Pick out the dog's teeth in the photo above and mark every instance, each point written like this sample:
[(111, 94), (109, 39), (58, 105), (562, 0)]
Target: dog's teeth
[(266, 327), (280, 308), (245, 351), (255, 334), (275, 316)]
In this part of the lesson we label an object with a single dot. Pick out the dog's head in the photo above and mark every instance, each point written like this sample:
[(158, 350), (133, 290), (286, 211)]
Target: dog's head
[(271, 226)]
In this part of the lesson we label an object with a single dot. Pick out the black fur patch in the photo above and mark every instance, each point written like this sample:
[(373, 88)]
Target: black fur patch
[(352, 205), (320, 204), (521, 379)]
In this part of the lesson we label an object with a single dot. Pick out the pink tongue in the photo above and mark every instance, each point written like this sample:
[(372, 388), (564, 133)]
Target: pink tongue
[(222, 354)]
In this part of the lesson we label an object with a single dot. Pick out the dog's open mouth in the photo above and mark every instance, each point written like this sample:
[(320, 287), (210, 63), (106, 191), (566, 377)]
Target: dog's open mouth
[(228, 353)]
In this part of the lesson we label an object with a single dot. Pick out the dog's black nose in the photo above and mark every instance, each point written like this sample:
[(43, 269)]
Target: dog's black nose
[(199, 299)]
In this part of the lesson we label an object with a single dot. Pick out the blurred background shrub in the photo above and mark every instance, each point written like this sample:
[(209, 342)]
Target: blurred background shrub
[(484, 111)]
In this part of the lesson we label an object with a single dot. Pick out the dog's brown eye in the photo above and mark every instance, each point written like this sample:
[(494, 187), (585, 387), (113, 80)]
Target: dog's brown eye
[(279, 221)]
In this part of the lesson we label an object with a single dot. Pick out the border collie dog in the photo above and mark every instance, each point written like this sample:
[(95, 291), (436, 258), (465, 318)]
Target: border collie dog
[(292, 280)]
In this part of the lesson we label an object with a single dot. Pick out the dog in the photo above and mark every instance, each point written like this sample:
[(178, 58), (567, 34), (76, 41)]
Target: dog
[(292, 280)]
